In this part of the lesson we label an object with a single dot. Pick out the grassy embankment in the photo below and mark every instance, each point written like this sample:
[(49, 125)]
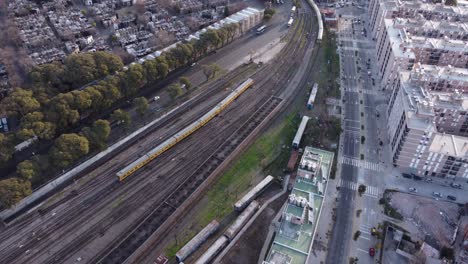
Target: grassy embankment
[(265, 156)]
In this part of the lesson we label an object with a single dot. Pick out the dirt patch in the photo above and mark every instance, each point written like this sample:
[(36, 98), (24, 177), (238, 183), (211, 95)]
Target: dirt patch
[(434, 221), (248, 247)]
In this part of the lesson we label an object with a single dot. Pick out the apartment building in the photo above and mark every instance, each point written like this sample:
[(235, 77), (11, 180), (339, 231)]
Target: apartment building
[(440, 78), (420, 10), (398, 50), (427, 129)]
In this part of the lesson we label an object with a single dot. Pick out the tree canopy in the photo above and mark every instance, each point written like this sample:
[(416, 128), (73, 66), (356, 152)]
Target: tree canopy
[(97, 134), (141, 104), (12, 191), (68, 148)]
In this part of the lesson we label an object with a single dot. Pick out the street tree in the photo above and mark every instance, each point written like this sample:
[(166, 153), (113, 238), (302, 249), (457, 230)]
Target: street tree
[(12, 191), (97, 134), (68, 148), (185, 81), (80, 69), (7, 149), (19, 103), (33, 124), (211, 70), (141, 104), (175, 90), (27, 170), (121, 117)]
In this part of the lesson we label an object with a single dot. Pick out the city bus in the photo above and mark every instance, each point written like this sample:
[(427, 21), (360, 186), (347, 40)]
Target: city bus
[(261, 29)]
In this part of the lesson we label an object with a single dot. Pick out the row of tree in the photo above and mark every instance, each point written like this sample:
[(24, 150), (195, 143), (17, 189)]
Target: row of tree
[(50, 108)]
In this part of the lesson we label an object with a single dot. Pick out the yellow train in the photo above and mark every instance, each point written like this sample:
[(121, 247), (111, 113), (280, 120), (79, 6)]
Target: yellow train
[(145, 159)]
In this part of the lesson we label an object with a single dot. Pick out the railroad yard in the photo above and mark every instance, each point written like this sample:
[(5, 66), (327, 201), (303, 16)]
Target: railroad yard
[(98, 219)]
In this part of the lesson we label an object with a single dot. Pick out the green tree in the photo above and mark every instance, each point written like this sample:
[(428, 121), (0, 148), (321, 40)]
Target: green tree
[(49, 75), (107, 63), (68, 148), (121, 117), (12, 191), (175, 90), (97, 134), (7, 149), (34, 124), (96, 98), (185, 81), (27, 170), (80, 69), (141, 104), (211, 70), (268, 13), (151, 70), (133, 79), (19, 103), (61, 113), (226, 11)]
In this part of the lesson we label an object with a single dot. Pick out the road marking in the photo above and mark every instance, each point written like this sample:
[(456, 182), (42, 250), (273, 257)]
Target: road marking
[(365, 251), (364, 237), (365, 232), (371, 191), (361, 163)]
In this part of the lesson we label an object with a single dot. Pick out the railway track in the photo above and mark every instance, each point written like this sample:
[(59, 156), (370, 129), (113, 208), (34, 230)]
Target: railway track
[(125, 248), (99, 188)]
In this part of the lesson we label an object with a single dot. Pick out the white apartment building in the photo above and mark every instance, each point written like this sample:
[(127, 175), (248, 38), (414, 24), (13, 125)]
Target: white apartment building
[(417, 125), (420, 10), (398, 50)]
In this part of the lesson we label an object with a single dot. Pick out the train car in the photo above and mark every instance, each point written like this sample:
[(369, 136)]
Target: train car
[(187, 131), (253, 193), (213, 251), (293, 160), (313, 94), (197, 241), (241, 220), (319, 20), (300, 132)]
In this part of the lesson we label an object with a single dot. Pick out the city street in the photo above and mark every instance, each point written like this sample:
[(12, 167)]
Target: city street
[(359, 156), (365, 155)]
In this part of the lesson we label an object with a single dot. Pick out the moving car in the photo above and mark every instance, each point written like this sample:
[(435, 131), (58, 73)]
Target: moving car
[(371, 252), (437, 194), (412, 189), (455, 185)]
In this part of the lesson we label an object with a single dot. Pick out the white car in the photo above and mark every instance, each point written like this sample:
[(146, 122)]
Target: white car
[(412, 189), (156, 98)]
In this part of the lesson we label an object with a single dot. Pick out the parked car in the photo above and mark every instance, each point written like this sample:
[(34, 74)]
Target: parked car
[(156, 98), (437, 194), (455, 185), (428, 180), (412, 189), (371, 252), (407, 175), (417, 178), (451, 197)]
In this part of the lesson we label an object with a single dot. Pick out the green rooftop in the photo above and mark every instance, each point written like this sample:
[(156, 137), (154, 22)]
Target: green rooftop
[(294, 237)]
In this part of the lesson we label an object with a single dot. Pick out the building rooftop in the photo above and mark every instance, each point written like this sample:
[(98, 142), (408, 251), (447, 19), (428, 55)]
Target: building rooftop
[(451, 145), (294, 237)]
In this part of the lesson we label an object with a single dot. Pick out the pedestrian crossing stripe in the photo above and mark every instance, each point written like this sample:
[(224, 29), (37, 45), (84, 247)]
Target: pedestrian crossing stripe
[(370, 190), (361, 164)]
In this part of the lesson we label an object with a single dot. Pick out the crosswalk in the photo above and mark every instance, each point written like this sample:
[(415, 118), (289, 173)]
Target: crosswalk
[(364, 91), (371, 191), (361, 163)]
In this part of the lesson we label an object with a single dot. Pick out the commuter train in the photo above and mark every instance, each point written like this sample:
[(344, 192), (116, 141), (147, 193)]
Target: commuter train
[(319, 20), (167, 144)]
